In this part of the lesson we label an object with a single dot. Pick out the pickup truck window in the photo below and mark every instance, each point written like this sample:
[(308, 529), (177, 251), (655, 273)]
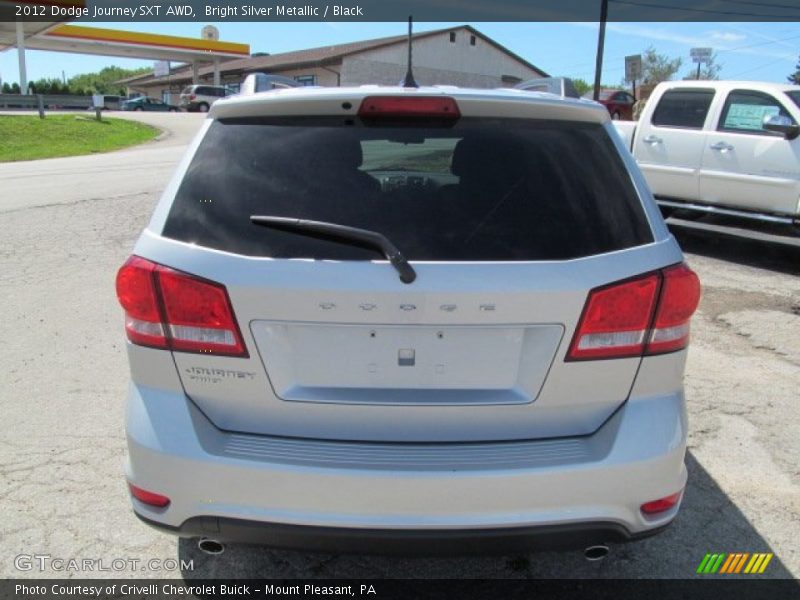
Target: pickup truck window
[(745, 111), (686, 109)]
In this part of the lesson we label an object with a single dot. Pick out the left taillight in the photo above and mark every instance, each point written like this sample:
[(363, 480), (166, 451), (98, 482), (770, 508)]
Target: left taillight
[(136, 291), (165, 308)]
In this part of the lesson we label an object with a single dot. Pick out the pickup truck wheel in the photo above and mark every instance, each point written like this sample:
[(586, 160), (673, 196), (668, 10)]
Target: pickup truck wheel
[(616, 116)]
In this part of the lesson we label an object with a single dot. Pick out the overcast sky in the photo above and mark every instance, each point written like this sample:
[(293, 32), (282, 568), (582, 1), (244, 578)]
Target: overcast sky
[(759, 51)]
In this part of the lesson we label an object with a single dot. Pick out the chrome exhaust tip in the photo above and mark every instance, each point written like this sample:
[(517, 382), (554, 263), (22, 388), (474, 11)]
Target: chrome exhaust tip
[(209, 546), (595, 553)]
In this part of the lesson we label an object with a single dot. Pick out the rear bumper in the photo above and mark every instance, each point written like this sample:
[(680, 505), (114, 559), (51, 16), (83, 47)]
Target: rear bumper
[(404, 541), (335, 495), (191, 106)]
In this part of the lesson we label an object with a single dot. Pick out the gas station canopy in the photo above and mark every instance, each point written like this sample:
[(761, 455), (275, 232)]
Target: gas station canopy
[(55, 36), (130, 44)]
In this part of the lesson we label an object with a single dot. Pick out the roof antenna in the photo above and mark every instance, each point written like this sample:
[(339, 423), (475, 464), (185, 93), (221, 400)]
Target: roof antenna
[(409, 80)]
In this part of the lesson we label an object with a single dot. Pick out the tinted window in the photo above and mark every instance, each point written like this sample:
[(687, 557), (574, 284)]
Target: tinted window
[(683, 108), (306, 80), (479, 190), (206, 91), (795, 96), (745, 111)]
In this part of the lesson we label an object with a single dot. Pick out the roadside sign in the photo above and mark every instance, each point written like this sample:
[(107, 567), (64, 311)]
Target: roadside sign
[(161, 68), (701, 55), (633, 67)]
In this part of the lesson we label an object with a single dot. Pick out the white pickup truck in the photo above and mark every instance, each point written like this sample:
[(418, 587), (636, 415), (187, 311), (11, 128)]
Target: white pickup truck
[(728, 147)]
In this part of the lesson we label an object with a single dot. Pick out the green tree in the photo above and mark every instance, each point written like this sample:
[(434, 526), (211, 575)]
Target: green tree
[(795, 77), (709, 71), (104, 81), (658, 67), (49, 86), (582, 86)]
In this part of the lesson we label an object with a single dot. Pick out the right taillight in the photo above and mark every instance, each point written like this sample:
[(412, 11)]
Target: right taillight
[(169, 309), (680, 295), (646, 315)]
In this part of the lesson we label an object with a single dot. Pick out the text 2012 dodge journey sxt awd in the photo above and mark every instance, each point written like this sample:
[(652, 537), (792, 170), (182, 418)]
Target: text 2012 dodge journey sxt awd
[(364, 318)]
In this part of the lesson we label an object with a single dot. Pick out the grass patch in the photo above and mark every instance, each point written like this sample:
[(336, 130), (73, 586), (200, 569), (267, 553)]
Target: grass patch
[(27, 137)]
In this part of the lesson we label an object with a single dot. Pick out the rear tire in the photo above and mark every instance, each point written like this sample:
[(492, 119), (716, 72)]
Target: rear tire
[(202, 107), (138, 109), (616, 116)]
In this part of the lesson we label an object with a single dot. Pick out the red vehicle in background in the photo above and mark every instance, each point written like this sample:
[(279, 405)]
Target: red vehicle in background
[(618, 102)]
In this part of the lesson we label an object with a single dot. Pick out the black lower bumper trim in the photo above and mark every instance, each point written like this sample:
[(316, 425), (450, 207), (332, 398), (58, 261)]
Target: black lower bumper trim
[(341, 540)]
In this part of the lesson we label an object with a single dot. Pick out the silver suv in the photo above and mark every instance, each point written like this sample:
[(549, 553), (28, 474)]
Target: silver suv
[(199, 98), (369, 318)]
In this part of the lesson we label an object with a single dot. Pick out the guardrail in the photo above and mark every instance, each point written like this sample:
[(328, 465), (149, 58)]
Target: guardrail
[(44, 101)]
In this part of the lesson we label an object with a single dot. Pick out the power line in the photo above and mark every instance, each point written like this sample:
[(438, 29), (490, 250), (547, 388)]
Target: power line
[(769, 64), (793, 37), (708, 11), (765, 4)]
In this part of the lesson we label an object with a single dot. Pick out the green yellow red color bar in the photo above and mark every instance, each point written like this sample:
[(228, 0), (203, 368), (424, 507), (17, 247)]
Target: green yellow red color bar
[(736, 562)]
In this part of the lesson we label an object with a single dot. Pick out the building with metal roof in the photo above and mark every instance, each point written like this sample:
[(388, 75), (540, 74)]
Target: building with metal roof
[(459, 55)]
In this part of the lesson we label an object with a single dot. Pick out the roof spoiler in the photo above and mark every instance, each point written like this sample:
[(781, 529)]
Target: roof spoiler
[(560, 86), (264, 82)]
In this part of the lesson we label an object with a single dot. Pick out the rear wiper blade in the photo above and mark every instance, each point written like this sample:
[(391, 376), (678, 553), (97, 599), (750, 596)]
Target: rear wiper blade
[(343, 234)]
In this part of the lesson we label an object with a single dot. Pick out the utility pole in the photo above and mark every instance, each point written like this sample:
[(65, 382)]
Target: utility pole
[(601, 41)]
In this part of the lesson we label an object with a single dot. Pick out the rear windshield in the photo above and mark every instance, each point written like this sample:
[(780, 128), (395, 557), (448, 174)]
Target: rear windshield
[(479, 190)]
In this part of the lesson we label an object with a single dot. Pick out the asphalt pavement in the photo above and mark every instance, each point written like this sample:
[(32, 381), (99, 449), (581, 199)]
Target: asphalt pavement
[(67, 224)]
